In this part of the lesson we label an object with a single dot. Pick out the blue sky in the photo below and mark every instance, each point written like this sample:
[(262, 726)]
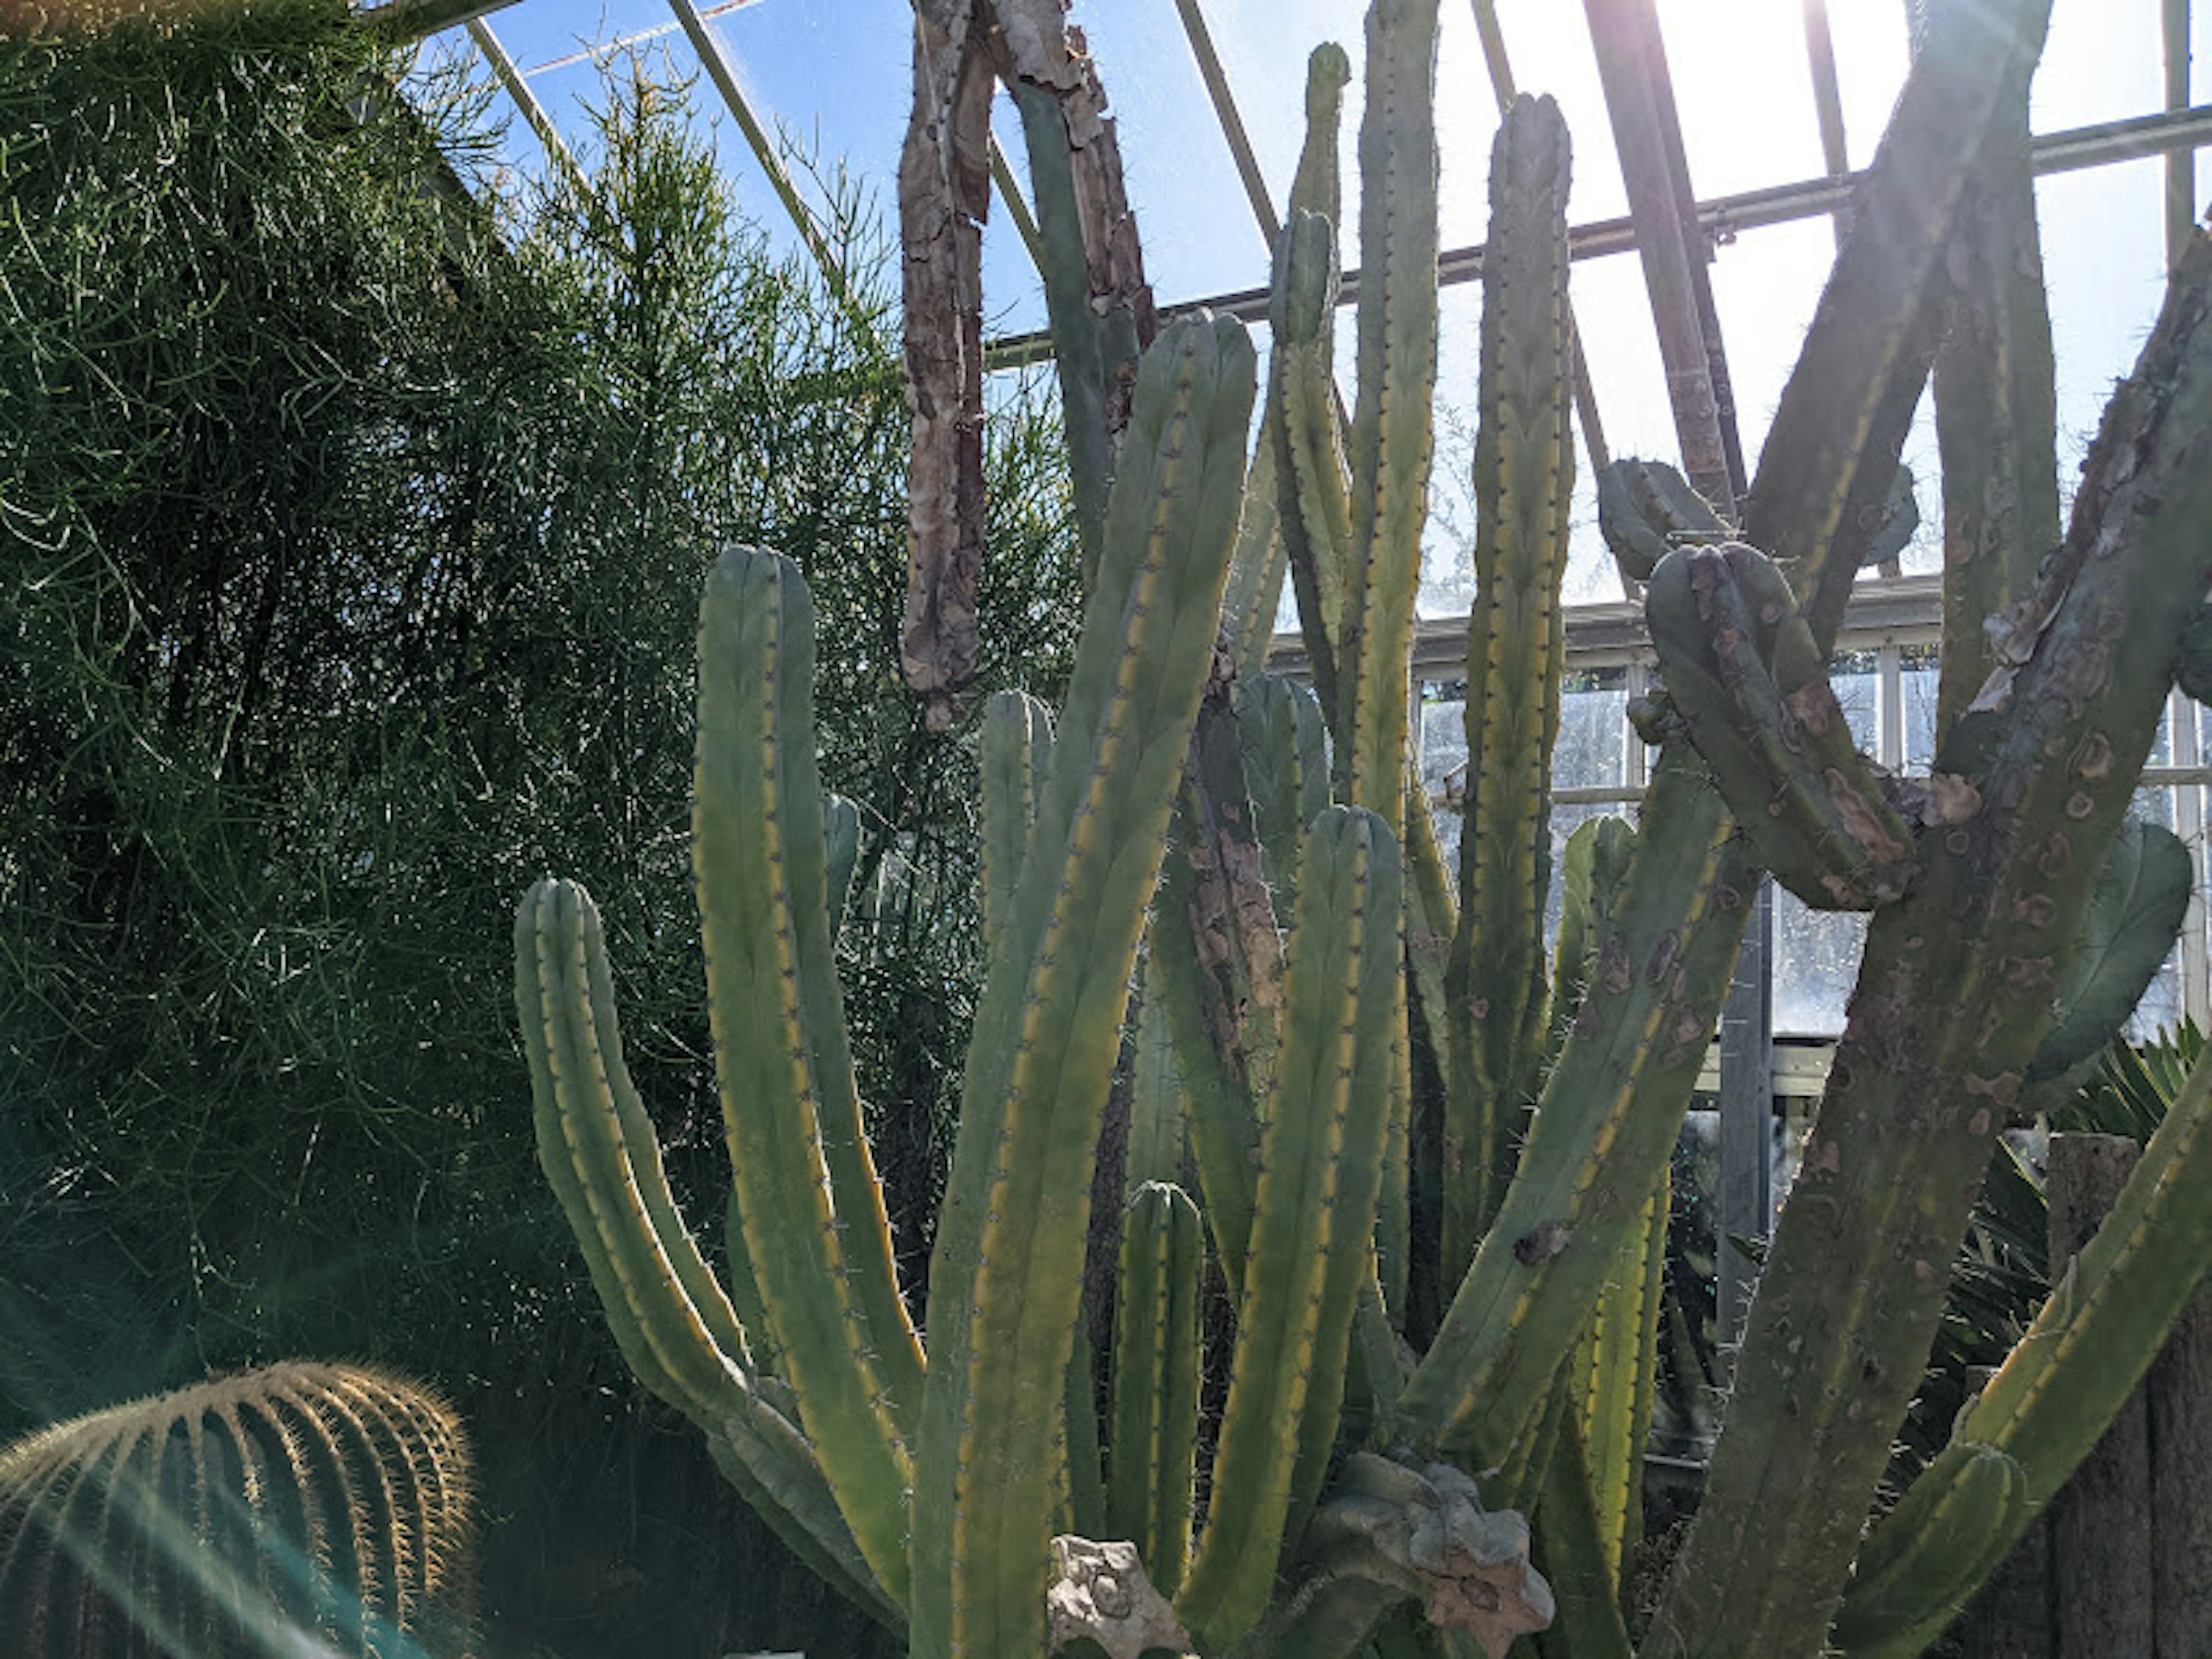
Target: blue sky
[(834, 74)]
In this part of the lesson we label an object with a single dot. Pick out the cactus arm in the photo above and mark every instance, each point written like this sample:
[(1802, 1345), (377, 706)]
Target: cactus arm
[(1151, 1472), (1524, 468), (1743, 671), (1315, 507), (1158, 1135), (1391, 437), (1315, 187), (1258, 567), (1611, 1380), (1645, 509), (1100, 305), (1283, 740), (1591, 875), (815, 1229), (1006, 1269), (1016, 754), (1953, 999), (1300, 464), (1914, 1578), (1997, 416), (670, 1316), (1217, 961), (1313, 1222), (2068, 1378), (1609, 1117), (1581, 1554), (2136, 912), (1826, 471)]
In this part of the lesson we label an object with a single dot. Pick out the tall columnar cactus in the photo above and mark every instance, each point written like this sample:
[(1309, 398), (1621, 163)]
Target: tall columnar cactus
[(1432, 1173), (300, 1508)]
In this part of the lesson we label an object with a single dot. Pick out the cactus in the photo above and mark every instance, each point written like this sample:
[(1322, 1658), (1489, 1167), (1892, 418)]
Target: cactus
[(300, 1506), (1430, 1171)]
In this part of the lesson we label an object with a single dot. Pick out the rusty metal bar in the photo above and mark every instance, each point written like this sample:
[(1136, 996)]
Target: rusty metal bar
[(1638, 96)]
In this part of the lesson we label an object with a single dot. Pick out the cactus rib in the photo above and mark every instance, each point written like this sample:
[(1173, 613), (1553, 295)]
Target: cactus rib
[(1151, 1473), (1524, 465), (815, 1229), (1311, 1244), (669, 1315), (1006, 1269)]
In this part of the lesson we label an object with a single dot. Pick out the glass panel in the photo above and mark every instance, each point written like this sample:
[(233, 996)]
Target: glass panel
[(1816, 962), (1857, 678), (1593, 729), (2104, 260), (2100, 63), (1918, 678)]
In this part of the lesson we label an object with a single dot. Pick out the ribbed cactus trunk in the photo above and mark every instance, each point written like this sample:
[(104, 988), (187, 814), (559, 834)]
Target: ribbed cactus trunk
[(1429, 1166)]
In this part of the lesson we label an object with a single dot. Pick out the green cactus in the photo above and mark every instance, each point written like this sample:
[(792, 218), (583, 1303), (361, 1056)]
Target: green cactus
[(299, 1507), (1430, 1171)]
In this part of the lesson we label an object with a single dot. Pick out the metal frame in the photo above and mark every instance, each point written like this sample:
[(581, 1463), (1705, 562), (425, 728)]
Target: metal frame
[(1722, 218)]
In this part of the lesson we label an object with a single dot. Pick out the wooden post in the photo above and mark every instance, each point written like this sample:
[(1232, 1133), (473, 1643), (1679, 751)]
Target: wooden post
[(2100, 1521), (2180, 1391)]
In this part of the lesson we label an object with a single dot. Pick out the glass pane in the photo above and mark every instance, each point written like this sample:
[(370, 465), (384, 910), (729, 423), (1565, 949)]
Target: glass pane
[(1918, 678), (1857, 678), (1593, 729), (1816, 962)]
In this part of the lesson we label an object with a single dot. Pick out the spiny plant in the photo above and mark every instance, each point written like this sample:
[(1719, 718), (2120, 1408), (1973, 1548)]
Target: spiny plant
[(1429, 1164), (299, 1507)]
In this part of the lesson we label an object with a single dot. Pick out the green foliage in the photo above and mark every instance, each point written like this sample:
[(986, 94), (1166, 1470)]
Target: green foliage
[(352, 518)]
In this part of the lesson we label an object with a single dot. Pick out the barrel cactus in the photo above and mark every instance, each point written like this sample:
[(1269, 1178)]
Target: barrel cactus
[(300, 1508)]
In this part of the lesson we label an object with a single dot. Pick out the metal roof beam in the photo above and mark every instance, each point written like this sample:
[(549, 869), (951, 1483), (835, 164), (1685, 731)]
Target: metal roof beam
[(1828, 102), (2180, 164), (403, 20), (1232, 124), (723, 73), (1639, 99), (517, 88), (1722, 217)]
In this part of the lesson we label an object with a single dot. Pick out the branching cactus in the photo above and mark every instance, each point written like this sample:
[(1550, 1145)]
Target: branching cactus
[(1429, 1163), (302, 1508)]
